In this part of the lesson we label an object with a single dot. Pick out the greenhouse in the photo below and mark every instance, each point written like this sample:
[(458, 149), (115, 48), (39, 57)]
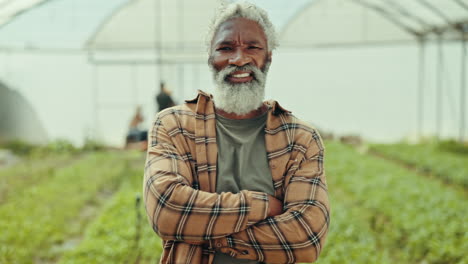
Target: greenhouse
[(384, 81), (85, 66)]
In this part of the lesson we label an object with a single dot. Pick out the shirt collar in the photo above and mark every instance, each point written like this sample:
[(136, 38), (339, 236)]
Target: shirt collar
[(200, 93)]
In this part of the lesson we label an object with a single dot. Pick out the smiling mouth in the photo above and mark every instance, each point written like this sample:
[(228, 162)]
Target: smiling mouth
[(240, 77)]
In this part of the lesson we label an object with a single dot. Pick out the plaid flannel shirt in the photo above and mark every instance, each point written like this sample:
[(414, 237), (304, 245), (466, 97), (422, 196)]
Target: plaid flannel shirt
[(194, 221)]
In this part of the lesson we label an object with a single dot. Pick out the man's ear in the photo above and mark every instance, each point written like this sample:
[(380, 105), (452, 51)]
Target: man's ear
[(269, 56)]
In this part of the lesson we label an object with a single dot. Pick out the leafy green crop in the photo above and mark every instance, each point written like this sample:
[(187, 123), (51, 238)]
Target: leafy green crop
[(450, 166), (118, 235), (351, 238), (14, 180), (47, 214), (381, 212), (424, 220)]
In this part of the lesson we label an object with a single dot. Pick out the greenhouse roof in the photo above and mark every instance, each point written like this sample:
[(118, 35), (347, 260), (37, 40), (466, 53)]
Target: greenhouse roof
[(10, 8), (345, 22), (172, 24)]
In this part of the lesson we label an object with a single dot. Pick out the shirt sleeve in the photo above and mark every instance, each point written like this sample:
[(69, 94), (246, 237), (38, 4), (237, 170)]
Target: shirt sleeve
[(177, 211), (297, 235)]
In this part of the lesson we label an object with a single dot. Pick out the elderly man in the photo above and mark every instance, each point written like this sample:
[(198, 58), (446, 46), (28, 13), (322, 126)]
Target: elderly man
[(230, 178)]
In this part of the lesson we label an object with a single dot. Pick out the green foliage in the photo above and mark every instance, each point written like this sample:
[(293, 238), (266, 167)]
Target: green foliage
[(381, 211), (46, 214), (92, 145), (15, 179), (121, 234), (424, 220), (351, 238), (53, 148), (59, 147), (18, 147), (453, 146), (430, 158)]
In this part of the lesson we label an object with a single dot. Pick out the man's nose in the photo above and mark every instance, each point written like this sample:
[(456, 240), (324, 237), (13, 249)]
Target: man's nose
[(239, 58)]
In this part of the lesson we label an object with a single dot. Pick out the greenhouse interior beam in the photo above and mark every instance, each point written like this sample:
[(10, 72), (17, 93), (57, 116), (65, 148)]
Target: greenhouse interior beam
[(357, 45), (95, 61), (462, 91), (95, 93), (439, 70), (385, 14), (134, 80), (421, 84), (436, 12), (158, 41), (404, 12), (462, 4), (61, 51)]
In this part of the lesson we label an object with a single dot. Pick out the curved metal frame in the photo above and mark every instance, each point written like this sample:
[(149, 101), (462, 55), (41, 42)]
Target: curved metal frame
[(389, 9), (421, 37)]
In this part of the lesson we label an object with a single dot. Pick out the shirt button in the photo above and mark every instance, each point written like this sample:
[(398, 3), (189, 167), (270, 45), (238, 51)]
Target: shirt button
[(219, 245)]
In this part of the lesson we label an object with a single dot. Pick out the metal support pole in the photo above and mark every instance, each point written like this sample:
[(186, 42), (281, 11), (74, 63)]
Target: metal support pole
[(462, 91), (95, 99), (158, 40), (420, 95), (196, 77), (134, 85), (181, 44), (439, 86), (181, 74)]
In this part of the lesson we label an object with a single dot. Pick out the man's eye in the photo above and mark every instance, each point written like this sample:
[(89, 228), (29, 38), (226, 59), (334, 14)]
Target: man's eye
[(254, 47), (224, 48)]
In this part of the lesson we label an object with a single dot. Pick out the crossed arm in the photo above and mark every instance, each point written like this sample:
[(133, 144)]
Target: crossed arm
[(249, 225)]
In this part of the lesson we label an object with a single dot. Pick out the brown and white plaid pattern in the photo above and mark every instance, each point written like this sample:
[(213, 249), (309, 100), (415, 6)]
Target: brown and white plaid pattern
[(194, 221)]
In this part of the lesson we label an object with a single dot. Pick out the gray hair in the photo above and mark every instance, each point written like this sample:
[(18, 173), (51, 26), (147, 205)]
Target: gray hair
[(246, 10)]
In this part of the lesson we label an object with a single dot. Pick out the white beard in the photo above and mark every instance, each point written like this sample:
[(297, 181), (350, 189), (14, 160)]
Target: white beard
[(240, 98)]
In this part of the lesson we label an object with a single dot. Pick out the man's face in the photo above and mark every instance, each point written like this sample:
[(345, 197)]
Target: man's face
[(240, 60), (239, 42)]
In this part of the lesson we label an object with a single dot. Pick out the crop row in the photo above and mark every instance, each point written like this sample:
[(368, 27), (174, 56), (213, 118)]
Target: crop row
[(381, 213), (31, 171), (351, 238), (429, 158), (121, 234), (35, 224), (424, 220)]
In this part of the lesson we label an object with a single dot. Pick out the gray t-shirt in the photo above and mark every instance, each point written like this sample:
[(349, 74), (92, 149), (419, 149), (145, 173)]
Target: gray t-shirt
[(242, 162)]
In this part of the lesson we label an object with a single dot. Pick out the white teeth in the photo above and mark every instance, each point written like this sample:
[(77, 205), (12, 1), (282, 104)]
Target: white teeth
[(242, 75)]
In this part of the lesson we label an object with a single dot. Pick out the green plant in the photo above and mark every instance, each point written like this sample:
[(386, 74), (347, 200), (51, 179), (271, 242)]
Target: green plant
[(453, 146), (93, 145), (18, 147), (45, 215), (429, 158), (121, 234), (424, 220)]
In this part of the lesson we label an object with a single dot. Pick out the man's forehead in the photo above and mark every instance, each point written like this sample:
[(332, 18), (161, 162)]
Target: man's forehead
[(249, 28)]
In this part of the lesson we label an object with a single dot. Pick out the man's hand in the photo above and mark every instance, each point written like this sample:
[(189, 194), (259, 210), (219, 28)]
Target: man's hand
[(275, 206)]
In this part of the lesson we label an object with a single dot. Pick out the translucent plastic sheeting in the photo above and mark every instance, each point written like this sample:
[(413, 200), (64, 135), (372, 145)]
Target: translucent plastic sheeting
[(421, 16), (170, 27), (10, 8), (58, 25), (348, 22)]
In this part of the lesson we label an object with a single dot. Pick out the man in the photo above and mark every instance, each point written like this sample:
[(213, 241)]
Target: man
[(232, 179), (137, 137), (163, 99)]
